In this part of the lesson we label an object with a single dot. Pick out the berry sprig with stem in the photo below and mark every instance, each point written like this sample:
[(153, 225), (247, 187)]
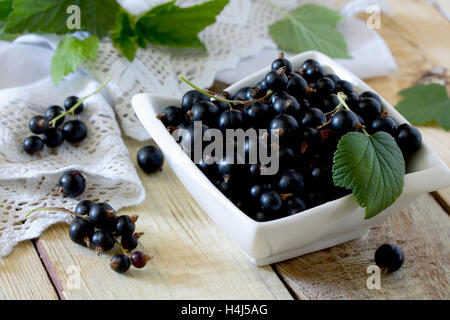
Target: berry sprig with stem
[(76, 105), (60, 209), (220, 98)]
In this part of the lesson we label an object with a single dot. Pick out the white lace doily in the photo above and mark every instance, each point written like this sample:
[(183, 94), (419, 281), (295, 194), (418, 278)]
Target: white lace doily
[(241, 30), (28, 182)]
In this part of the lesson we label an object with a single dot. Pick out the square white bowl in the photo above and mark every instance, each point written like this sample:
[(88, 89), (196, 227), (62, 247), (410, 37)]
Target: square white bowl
[(318, 228)]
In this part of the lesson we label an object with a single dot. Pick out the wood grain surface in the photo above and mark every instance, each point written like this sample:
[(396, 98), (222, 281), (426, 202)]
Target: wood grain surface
[(193, 259)]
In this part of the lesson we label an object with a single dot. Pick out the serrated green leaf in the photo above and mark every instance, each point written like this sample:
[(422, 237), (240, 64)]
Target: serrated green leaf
[(310, 27), (173, 26), (372, 167), (124, 36), (70, 53), (423, 103), (49, 16)]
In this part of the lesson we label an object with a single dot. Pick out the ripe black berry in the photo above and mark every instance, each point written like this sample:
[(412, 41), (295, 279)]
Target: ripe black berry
[(368, 109), (125, 225), (102, 241), (344, 86), (293, 205), (276, 80), (53, 137), (286, 104), (296, 86), (386, 124), (74, 131), (150, 158), (409, 139), (231, 119), (313, 117), (372, 95), (70, 102), (38, 124), (33, 145), (83, 207), (204, 111), (80, 231), (120, 263), (258, 190), (312, 71), (271, 202), (103, 216), (325, 85), (282, 62), (389, 257), (72, 183), (129, 243), (344, 121), (139, 259), (290, 182), (192, 97), (258, 114), (52, 112), (172, 116), (284, 126)]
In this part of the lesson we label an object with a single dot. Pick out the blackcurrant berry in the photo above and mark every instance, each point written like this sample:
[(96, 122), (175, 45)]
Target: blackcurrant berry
[(70, 102), (192, 97), (344, 121), (125, 225), (241, 94), (312, 72), (74, 131), (372, 95), (172, 116), (368, 109), (313, 118), (409, 139), (38, 124), (81, 231), (293, 205), (53, 137), (290, 182), (33, 145), (276, 80), (139, 259), (231, 119), (257, 114), (386, 124), (296, 86), (205, 111), (120, 263), (83, 207), (150, 159), (344, 86), (103, 216), (333, 77), (102, 241), (309, 140), (319, 178), (328, 102), (271, 202), (287, 104), (309, 63), (72, 183), (52, 112), (282, 62), (254, 93), (389, 257), (284, 126), (352, 100), (325, 85), (129, 243), (258, 190), (223, 106), (262, 85)]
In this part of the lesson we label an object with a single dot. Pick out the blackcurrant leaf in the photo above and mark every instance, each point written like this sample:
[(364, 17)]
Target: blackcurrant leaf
[(70, 53), (173, 26), (124, 36), (424, 103), (5, 10), (310, 27), (372, 167), (49, 16)]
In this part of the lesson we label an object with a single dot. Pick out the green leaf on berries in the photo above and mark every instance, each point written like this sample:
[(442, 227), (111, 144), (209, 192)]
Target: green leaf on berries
[(310, 27), (173, 26), (70, 53), (49, 16), (424, 103), (372, 167), (124, 36)]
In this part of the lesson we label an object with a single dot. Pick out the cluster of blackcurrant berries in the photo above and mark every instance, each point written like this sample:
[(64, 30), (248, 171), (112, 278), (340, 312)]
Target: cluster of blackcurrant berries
[(97, 226), (53, 129), (309, 111)]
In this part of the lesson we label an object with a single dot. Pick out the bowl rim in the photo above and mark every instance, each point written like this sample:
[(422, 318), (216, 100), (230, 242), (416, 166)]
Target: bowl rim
[(164, 138)]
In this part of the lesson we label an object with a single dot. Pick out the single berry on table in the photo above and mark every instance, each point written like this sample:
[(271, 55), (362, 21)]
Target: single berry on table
[(120, 263), (150, 159), (72, 183), (140, 259), (33, 145), (71, 102), (389, 257), (38, 124)]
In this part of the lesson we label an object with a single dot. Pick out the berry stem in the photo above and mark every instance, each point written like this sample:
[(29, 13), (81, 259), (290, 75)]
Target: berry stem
[(216, 96), (342, 96), (72, 110), (125, 252), (56, 209)]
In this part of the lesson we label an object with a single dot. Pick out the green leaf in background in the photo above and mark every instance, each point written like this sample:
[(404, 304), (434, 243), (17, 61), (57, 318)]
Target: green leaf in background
[(173, 26), (372, 167), (424, 103), (124, 36), (5, 10), (49, 16), (70, 53), (310, 27)]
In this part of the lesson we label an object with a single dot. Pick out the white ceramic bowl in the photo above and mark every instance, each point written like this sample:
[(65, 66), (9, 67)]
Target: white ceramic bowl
[(321, 227)]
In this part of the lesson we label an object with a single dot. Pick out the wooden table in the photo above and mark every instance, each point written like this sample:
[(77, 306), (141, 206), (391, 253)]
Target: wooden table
[(193, 259)]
